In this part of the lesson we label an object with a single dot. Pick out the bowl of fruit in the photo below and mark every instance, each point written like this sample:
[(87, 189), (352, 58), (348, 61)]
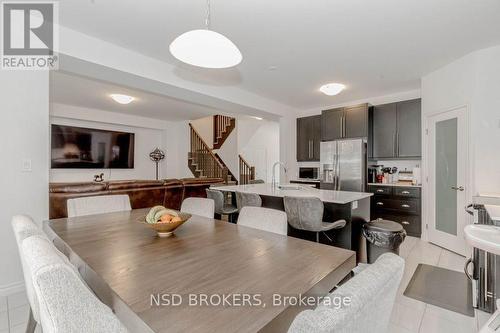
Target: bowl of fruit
[(164, 221)]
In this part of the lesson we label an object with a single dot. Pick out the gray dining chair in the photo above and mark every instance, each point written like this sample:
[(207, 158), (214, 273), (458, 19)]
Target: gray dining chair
[(265, 219), (306, 213), (221, 207), (25, 227), (256, 181), (66, 303), (371, 293), (100, 204), (199, 206), (244, 199)]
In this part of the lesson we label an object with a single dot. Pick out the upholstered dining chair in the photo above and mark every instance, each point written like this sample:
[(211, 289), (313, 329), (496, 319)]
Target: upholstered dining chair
[(221, 207), (265, 219), (25, 227), (199, 206), (371, 293), (66, 303), (244, 199), (306, 213), (100, 204)]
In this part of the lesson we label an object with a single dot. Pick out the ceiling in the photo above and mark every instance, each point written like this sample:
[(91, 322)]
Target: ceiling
[(291, 47), (83, 92)]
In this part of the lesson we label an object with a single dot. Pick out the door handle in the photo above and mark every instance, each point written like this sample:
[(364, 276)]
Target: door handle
[(380, 191), (405, 206), (405, 222), (380, 203), (394, 144), (341, 126), (460, 188), (405, 192)]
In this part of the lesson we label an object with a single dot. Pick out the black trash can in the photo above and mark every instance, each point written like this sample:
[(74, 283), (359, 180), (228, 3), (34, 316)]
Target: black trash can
[(382, 236)]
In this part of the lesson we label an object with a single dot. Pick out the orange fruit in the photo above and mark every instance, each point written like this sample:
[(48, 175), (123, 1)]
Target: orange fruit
[(166, 218)]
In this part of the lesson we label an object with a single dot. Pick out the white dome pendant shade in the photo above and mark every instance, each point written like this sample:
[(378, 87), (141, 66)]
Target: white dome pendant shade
[(205, 48)]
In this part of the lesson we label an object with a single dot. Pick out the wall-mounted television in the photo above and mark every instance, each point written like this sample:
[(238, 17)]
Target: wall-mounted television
[(87, 148)]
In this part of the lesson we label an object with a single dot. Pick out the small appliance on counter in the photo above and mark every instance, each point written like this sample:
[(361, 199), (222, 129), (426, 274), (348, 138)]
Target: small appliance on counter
[(373, 171), (309, 173)]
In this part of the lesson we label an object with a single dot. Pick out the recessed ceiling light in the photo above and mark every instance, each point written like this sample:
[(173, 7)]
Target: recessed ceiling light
[(332, 89), (258, 118), (122, 99)]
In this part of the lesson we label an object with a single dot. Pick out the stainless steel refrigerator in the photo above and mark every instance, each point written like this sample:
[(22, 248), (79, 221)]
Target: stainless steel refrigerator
[(343, 165)]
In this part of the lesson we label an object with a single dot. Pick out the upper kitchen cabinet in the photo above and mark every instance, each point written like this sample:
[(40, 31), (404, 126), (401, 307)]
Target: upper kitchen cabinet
[(332, 124), (396, 130), (409, 128), (308, 138), (345, 123)]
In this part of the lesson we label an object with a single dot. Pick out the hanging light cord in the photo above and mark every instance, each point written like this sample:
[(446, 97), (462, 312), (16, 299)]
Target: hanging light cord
[(207, 20)]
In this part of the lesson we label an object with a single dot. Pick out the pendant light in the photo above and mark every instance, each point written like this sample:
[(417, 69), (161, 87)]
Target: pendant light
[(206, 48)]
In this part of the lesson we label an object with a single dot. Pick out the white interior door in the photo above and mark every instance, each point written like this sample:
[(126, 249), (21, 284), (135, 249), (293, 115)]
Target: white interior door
[(448, 169)]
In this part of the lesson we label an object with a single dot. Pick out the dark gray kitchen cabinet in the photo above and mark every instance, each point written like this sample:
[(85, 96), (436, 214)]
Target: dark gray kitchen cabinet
[(409, 129), (344, 123), (396, 130), (332, 124), (356, 121), (308, 138), (384, 131)]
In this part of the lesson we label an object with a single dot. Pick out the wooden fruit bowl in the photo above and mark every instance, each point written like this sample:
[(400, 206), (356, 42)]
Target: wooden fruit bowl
[(167, 229)]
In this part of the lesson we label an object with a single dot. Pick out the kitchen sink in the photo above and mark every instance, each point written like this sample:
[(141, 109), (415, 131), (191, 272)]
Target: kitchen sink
[(289, 187)]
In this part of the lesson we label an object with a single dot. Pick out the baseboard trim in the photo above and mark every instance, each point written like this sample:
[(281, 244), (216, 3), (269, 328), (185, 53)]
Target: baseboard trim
[(11, 288)]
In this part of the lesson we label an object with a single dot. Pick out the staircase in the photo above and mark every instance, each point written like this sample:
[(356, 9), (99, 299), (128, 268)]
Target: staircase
[(201, 160), (247, 172), (223, 126)]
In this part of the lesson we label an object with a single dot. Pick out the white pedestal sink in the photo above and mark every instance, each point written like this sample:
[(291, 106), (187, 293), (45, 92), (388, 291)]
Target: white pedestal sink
[(483, 237), (487, 238)]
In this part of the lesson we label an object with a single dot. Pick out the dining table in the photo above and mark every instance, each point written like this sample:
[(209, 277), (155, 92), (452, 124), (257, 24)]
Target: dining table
[(209, 276)]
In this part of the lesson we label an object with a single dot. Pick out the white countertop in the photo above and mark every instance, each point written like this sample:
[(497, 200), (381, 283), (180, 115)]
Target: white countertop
[(394, 184), (338, 197)]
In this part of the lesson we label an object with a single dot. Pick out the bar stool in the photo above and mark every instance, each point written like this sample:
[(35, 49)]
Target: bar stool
[(221, 207), (247, 199), (306, 213)]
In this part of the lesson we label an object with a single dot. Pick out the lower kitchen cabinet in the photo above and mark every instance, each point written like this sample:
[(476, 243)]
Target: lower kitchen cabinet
[(398, 204)]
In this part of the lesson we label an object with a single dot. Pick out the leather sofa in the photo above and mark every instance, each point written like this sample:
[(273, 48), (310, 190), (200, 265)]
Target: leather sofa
[(142, 193)]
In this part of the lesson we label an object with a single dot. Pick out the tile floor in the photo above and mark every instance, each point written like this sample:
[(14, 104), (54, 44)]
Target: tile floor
[(412, 316), (409, 315), (14, 312)]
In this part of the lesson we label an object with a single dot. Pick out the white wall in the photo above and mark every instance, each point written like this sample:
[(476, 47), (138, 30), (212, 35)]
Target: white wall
[(149, 134), (24, 134), (259, 144), (472, 81), (205, 128)]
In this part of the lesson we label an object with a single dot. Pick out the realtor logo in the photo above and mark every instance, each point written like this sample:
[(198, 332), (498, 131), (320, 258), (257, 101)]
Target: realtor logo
[(29, 35)]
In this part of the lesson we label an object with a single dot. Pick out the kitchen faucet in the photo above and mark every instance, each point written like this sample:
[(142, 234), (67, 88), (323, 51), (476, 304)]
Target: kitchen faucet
[(275, 182)]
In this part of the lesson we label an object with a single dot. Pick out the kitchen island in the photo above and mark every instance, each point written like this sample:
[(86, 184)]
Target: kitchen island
[(354, 207)]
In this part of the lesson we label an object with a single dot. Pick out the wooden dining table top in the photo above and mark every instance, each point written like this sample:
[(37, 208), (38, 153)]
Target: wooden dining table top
[(129, 268)]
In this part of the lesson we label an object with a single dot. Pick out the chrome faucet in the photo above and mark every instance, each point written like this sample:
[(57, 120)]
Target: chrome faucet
[(275, 182)]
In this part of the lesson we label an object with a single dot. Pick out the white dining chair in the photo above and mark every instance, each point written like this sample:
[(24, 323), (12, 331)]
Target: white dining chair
[(265, 219), (25, 227), (66, 303), (371, 293), (100, 204), (199, 206)]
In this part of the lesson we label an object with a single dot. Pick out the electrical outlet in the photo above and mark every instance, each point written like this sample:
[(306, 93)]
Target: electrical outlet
[(26, 165)]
